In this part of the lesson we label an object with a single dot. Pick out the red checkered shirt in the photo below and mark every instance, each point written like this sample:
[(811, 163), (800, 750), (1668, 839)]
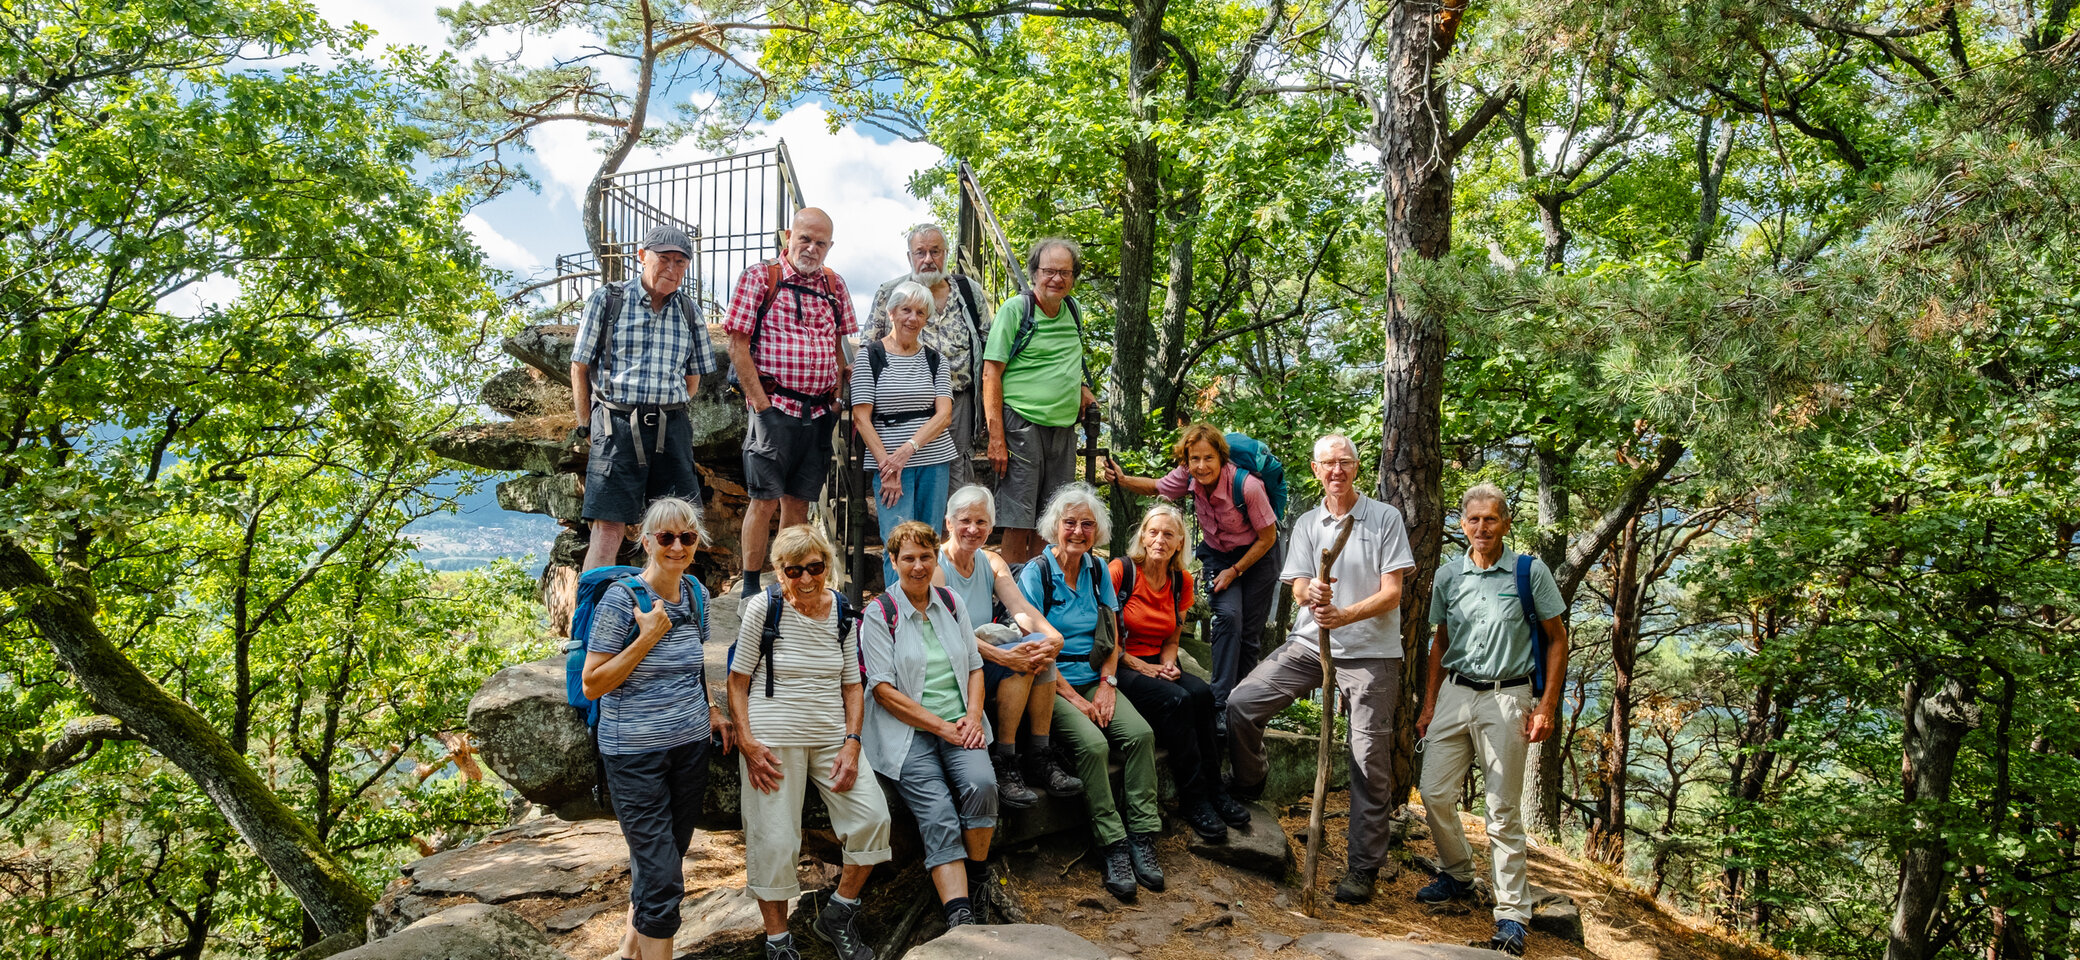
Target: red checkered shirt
[(796, 347)]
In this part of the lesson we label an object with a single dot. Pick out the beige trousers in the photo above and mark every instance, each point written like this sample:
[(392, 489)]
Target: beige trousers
[(1485, 727), (773, 821)]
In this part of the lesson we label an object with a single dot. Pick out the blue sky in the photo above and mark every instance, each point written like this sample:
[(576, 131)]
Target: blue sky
[(858, 174)]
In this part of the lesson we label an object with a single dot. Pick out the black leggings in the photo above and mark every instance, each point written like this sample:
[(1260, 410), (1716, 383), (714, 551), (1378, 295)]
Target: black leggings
[(1181, 713), (657, 797)]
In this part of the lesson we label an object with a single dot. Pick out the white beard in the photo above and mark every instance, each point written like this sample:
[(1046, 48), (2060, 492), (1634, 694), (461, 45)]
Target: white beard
[(932, 279)]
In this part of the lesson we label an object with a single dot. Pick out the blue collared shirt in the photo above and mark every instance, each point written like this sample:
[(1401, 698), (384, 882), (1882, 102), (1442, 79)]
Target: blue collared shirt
[(1075, 611)]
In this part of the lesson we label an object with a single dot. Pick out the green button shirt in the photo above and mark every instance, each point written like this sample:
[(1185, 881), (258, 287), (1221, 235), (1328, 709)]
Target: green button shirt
[(1487, 638)]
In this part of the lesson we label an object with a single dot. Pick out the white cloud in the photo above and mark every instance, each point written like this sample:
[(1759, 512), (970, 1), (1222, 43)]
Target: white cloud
[(499, 249), (396, 22), (214, 290)]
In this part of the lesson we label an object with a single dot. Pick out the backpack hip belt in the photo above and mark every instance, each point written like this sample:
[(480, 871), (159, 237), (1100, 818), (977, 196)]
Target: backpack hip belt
[(641, 415), (809, 401)]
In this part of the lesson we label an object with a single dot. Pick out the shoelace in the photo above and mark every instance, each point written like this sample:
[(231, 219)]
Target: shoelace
[(1120, 859)]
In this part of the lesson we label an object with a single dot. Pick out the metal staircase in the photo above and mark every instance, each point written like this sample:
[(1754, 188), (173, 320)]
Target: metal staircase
[(735, 208)]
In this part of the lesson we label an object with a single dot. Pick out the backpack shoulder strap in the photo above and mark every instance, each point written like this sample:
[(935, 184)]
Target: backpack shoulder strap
[(1177, 596), (931, 361), (946, 597), (1126, 577), (965, 288), (770, 634), (877, 361), (1241, 487), (765, 301), (887, 603), (609, 314), (1538, 629)]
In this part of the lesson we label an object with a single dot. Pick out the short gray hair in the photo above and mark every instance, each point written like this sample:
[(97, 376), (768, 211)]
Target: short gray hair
[(1074, 495), (910, 236), (1332, 439), (972, 495), (673, 513), (910, 291), (1045, 244), (1485, 492)]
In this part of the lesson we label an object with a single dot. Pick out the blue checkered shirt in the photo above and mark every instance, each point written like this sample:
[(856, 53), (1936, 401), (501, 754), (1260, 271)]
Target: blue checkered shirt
[(653, 351)]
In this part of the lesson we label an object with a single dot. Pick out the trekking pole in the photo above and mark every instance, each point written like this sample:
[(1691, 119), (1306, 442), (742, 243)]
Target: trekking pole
[(1328, 726)]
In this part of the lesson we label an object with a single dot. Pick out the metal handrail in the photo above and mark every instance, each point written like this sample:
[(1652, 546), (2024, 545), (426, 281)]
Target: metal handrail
[(976, 215)]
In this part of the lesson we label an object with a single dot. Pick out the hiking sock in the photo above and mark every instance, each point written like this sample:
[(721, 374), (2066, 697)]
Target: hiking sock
[(955, 907), (839, 899), (752, 584), (1001, 749)]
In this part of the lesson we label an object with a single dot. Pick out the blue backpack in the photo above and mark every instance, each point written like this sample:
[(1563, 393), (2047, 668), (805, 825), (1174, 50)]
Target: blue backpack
[(592, 586), (1538, 627), (1251, 456)]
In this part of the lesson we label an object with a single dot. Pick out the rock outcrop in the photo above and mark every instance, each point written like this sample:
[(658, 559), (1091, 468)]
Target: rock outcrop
[(1011, 941), (469, 931), (1262, 847), (1348, 946)]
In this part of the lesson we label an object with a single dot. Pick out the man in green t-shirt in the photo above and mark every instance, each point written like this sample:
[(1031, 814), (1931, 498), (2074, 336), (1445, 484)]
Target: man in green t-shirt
[(1033, 391), (1479, 705)]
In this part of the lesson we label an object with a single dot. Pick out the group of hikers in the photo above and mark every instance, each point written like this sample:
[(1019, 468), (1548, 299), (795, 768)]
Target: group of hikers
[(981, 679)]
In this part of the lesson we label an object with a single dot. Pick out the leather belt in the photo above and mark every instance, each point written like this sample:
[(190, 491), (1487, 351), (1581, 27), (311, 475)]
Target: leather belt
[(1463, 681)]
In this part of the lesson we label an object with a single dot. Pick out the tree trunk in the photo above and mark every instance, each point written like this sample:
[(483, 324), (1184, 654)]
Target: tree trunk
[(624, 143), (291, 850), (1935, 727), (1607, 840), (1170, 393), (1551, 546), (1416, 189), (1141, 165)]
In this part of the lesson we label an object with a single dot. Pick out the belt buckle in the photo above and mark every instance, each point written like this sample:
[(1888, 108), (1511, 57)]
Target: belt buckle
[(650, 418)]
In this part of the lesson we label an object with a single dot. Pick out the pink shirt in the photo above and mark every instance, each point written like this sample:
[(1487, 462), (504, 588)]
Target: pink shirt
[(1225, 526), (796, 348)]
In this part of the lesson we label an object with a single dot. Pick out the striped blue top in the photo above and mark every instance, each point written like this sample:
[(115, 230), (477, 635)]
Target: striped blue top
[(664, 701)]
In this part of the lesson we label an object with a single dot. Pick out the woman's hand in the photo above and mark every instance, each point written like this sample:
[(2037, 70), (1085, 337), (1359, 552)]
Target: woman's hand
[(845, 769), (724, 729), (891, 488), (965, 733), (1145, 668), (1169, 670), (1103, 700), (761, 765), (897, 459), (1223, 580), (1033, 657), (654, 622)]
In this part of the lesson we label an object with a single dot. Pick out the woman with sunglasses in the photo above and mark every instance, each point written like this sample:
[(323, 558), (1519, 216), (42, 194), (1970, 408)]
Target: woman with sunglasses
[(1069, 585), (645, 669), (800, 706), (926, 729)]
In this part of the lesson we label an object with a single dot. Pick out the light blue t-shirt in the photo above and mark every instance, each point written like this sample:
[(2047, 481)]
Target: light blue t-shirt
[(1075, 611), (664, 701)]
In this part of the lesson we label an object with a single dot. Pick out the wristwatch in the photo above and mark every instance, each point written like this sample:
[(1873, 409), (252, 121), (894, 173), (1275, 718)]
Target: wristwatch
[(1110, 680), (854, 736)]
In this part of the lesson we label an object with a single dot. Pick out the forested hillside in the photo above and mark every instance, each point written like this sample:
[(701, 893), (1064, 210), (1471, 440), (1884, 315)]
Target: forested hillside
[(1767, 314)]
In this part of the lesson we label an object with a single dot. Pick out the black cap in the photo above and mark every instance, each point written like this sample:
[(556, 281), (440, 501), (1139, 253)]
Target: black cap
[(666, 240)]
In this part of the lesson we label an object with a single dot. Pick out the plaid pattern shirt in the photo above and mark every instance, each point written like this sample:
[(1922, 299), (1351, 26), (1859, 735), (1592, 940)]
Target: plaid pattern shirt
[(798, 347), (652, 353), (957, 336)]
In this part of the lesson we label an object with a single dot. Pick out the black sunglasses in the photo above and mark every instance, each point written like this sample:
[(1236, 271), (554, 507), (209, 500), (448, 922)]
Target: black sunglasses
[(813, 568), (667, 538)]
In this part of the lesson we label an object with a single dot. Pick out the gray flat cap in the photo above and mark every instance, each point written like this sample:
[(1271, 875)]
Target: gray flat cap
[(666, 240)]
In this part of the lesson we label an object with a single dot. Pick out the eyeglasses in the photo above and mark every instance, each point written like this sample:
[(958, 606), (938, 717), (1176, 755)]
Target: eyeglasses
[(1053, 274), (666, 538), (813, 568), (1344, 464)]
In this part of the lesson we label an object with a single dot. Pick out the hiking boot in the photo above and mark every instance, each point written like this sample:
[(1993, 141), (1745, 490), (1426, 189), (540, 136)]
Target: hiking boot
[(959, 917), (834, 925), (1356, 885), (1230, 810), (1118, 867), (1508, 938), (1011, 783), (1199, 815), (1045, 772), (980, 889), (1444, 889), (1141, 852), (783, 950)]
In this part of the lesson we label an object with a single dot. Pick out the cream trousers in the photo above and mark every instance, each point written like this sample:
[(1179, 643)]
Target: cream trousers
[(1484, 726), (773, 821)]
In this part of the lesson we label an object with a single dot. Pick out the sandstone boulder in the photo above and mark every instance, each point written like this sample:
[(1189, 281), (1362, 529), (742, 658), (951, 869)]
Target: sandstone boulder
[(524, 392), (557, 495), (530, 736), (1291, 757), (470, 931), (545, 347), (1555, 913), (1017, 941), (1262, 847), (536, 445)]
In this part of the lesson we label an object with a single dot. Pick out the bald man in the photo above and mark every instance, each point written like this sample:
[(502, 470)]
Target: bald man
[(787, 323)]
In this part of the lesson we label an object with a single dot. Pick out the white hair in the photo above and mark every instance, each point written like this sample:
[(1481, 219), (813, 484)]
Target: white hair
[(1485, 492), (673, 513), (1331, 440), (910, 236), (1074, 495), (910, 291), (972, 495)]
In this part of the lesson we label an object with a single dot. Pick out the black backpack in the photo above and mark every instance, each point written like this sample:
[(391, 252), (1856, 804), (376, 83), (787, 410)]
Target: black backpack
[(770, 633), (610, 313), (877, 361)]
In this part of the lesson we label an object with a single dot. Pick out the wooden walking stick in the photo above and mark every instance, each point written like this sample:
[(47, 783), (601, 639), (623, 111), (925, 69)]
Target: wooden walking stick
[(1325, 738)]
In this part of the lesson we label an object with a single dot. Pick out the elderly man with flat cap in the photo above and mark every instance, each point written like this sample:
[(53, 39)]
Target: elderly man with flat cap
[(638, 360)]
